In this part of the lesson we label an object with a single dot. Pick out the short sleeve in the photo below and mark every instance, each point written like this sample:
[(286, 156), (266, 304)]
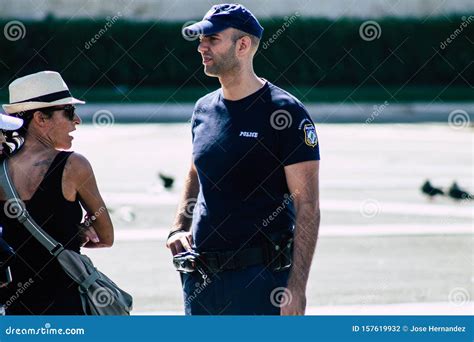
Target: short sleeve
[(297, 137), (193, 123), (193, 120)]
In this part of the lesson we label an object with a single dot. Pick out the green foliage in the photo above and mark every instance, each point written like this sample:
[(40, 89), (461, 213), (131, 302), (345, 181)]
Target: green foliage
[(308, 53)]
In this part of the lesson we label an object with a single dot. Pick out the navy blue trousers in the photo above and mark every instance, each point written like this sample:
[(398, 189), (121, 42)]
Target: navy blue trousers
[(254, 290)]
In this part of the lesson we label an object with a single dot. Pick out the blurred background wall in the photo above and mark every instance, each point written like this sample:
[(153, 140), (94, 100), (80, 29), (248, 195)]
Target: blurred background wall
[(134, 51), (186, 9)]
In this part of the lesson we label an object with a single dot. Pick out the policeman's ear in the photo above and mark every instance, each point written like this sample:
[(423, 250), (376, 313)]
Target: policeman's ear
[(243, 45)]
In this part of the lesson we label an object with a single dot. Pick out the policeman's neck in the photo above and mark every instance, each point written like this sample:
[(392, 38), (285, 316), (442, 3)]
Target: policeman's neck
[(236, 86)]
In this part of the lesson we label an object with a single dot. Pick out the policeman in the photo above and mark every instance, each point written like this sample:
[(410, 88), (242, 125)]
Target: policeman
[(249, 214)]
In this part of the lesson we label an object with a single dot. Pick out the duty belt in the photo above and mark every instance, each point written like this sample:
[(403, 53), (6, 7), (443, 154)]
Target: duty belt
[(278, 256)]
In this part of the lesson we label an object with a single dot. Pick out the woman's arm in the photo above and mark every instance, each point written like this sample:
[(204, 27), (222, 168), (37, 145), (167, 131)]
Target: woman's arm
[(81, 177)]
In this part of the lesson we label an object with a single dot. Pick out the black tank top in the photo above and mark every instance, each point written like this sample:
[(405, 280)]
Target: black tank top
[(60, 219)]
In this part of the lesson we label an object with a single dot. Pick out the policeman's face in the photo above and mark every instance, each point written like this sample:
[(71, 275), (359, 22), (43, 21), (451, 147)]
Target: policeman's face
[(218, 53)]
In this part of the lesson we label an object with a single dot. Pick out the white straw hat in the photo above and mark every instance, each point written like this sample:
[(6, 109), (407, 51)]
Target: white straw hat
[(40, 90)]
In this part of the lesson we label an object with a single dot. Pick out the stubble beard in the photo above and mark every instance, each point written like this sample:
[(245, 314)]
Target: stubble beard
[(223, 65)]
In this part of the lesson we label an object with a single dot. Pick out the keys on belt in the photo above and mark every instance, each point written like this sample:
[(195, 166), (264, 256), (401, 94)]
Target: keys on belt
[(188, 262)]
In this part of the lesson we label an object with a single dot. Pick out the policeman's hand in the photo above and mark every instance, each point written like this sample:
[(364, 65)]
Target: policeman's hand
[(180, 242), (296, 306)]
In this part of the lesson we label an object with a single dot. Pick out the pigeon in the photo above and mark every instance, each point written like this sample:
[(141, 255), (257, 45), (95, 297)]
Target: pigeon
[(430, 190), (167, 181), (457, 193)]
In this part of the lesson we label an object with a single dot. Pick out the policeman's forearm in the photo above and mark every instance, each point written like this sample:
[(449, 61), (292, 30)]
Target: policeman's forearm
[(183, 217), (305, 237)]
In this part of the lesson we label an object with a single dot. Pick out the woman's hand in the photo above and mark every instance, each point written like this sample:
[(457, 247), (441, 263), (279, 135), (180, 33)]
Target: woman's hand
[(88, 235)]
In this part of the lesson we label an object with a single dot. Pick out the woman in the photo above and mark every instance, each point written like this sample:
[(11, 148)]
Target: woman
[(54, 185)]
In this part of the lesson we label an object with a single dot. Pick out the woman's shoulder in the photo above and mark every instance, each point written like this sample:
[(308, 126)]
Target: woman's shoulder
[(78, 166), (78, 159)]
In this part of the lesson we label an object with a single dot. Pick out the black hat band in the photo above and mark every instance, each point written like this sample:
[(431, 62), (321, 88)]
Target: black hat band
[(49, 97)]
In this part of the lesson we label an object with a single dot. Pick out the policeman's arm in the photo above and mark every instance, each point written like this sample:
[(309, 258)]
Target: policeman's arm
[(303, 183), (182, 239)]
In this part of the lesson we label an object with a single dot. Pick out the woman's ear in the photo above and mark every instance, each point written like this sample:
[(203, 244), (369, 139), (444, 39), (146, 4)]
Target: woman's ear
[(39, 118)]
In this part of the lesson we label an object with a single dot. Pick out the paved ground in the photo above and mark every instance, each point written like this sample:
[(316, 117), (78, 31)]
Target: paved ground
[(347, 271), (383, 248), (384, 112)]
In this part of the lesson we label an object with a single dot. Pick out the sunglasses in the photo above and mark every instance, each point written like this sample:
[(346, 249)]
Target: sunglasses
[(69, 111)]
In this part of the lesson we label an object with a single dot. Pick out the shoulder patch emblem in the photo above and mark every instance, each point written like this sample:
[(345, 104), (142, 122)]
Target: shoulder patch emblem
[(310, 137)]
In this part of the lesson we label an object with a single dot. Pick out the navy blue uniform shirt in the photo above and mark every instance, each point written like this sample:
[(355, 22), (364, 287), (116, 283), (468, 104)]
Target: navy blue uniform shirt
[(240, 149)]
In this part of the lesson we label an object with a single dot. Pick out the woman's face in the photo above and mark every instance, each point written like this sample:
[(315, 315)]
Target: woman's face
[(63, 122)]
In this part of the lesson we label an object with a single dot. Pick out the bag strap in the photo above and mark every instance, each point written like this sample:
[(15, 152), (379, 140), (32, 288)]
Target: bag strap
[(23, 216)]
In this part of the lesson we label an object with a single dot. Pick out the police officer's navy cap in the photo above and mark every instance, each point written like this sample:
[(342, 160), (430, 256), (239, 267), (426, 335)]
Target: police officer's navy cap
[(223, 16)]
